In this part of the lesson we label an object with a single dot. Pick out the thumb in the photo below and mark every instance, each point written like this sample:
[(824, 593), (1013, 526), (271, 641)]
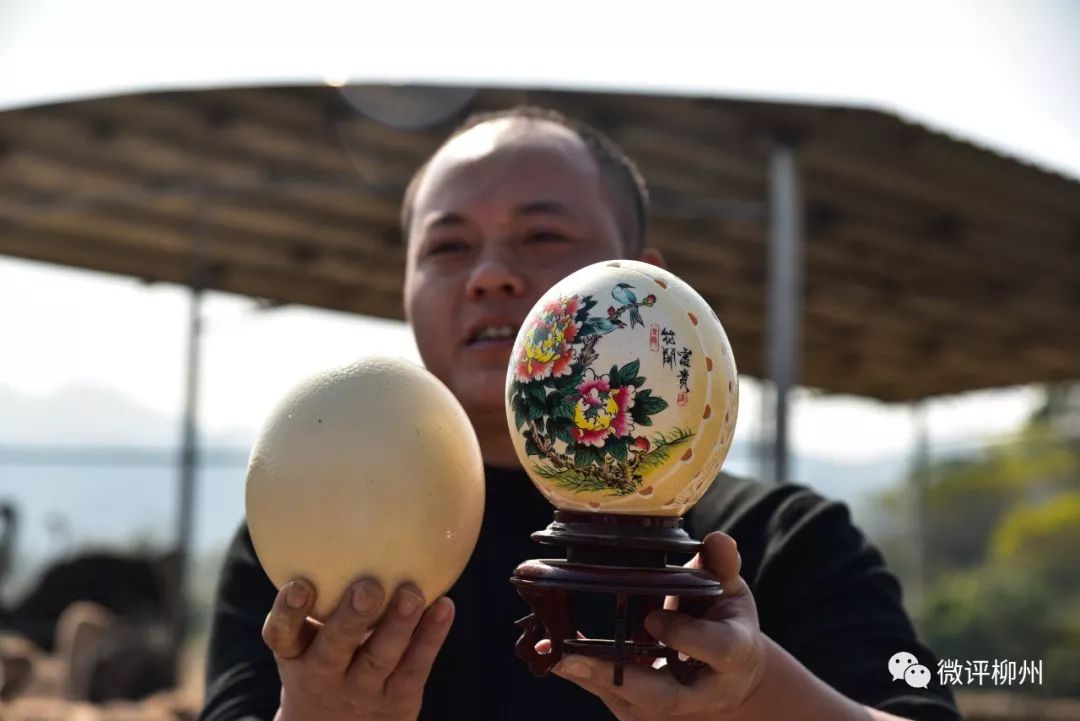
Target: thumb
[(720, 557)]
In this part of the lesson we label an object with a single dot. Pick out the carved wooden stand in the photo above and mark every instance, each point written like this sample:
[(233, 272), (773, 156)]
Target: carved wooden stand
[(622, 555)]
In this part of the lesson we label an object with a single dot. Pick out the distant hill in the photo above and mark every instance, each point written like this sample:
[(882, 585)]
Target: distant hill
[(82, 415), (90, 415)]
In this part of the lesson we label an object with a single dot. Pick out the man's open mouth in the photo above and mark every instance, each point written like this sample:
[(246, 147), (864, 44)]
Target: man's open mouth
[(493, 333)]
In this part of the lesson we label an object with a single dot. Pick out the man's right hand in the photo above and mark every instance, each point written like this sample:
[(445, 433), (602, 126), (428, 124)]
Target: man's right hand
[(346, 669)]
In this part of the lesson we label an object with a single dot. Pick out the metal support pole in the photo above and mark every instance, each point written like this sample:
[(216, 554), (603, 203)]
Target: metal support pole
[(920, 480), (784, 300), (189, 456), (188, 467)]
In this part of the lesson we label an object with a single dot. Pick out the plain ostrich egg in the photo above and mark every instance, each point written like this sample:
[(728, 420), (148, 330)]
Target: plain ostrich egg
[(622, 393), (371, 469)]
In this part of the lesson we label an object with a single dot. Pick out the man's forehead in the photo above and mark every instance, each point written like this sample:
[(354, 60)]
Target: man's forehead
[(506, 134), (508, 160), (501, 146)]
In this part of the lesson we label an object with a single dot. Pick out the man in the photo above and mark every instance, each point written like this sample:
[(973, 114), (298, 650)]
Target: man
[(810, 617)]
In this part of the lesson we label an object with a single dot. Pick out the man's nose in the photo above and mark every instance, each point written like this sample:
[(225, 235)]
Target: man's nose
[(492, 277)]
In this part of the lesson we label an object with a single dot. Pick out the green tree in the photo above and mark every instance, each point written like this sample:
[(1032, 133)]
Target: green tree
[(1002, 547), (1045, 537)]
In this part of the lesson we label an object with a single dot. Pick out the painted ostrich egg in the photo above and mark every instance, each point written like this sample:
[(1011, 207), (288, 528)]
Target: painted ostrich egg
[(371, 469), (622, 393)]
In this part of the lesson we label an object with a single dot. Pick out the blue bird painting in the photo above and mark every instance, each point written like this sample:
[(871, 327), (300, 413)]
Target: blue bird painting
[(625, 295)]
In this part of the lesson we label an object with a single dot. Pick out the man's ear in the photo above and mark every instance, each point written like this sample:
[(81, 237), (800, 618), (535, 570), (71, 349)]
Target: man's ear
[(651, 255)]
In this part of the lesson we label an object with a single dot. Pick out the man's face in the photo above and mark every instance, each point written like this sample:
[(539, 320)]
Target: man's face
[(503, 212)]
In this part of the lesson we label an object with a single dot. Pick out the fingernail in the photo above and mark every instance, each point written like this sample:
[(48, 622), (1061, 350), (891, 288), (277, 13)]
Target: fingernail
[(442, 611), (654, 625), (364, 596), (297, 595), (407, 603), (575, 669)]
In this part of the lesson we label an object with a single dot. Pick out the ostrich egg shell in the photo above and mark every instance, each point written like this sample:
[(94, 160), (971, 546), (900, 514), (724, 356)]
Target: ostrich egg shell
[(622, 392), (371, 469)]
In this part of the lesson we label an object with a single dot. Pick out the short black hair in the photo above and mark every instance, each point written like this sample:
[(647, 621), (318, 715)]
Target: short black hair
[(624, 182)]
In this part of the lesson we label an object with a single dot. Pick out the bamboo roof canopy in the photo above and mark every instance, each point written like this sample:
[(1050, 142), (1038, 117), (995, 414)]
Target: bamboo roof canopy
[(931, 266)]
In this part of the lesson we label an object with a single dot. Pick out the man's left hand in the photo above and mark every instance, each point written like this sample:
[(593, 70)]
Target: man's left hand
[(727, 638)]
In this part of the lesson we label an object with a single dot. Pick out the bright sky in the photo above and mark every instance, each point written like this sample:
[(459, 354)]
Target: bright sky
[(1002, 74)]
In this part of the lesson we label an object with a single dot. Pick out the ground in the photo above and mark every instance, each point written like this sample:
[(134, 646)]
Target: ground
[(40, 700)]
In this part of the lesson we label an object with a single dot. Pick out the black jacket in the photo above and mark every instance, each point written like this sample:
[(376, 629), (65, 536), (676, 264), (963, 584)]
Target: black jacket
[(822, 592)]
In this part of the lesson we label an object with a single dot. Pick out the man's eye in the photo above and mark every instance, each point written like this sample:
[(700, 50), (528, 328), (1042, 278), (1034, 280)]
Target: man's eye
[(442, 247), (546, 236)]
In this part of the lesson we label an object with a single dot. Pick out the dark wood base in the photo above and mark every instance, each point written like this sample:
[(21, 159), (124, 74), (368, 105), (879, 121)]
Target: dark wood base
[(621, 555)]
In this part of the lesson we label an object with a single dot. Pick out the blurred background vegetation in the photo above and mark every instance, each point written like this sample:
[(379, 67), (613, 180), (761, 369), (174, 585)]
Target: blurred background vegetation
[(997, 575)]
